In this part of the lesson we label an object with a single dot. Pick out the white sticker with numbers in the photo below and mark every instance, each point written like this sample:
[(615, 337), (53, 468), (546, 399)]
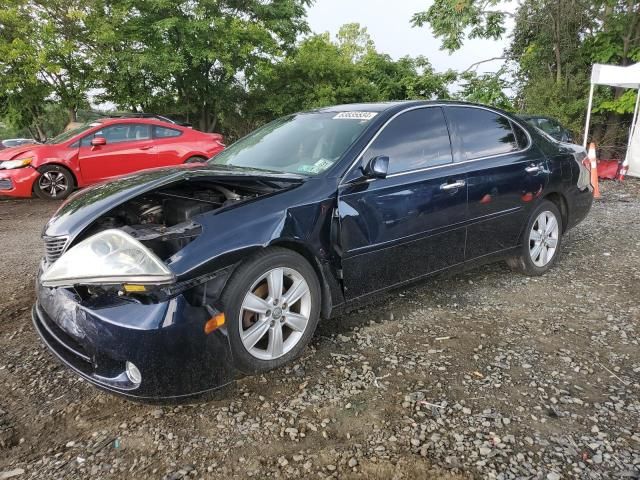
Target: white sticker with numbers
[(355, 115)]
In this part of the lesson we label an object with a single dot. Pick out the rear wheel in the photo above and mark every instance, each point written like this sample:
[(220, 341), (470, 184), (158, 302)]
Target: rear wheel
[(272, 306), (542, 241), (195, 160), (54, 183)]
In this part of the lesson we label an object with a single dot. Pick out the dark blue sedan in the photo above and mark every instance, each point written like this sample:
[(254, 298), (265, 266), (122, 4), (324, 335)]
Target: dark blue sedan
[(172, 282)]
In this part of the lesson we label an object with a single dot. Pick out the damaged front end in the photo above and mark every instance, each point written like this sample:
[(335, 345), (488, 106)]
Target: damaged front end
[(111, 306), (161, 223)]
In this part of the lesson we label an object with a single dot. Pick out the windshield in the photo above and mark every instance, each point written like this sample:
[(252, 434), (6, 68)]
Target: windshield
[(64, 136), (303, 143)]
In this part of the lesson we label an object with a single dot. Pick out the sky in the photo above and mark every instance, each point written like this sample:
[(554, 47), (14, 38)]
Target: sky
[(388, 23)]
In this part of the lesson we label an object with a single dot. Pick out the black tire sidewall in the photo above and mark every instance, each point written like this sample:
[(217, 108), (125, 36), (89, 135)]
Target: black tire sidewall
[(529, 267), (54, 168), (195, 159), (239, 285)]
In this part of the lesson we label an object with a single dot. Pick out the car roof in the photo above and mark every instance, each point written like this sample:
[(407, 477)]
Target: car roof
[(397, 106), (534, 117), (125, 120)]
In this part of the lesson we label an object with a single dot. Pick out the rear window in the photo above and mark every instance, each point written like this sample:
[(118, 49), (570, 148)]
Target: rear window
[(163, 132), (483, 132)]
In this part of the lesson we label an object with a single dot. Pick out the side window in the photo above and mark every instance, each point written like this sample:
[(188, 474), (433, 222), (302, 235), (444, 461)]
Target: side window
[(521, 136), (125, 132), (484, 133), (163, 132), (551, 127), (415, 139)]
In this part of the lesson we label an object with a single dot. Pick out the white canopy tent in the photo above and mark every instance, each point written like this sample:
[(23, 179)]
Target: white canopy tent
[(624, 77)]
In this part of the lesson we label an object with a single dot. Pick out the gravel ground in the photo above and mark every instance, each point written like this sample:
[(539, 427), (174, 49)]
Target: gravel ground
[(486, 374)]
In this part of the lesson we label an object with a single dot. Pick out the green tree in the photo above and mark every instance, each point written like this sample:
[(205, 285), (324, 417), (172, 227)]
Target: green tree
[(43, 59), (553, 46), (354, 41), (453, 20), (317, 74), (323, 72), (61, 33), (487, 88), (22, 93), (190, 58)]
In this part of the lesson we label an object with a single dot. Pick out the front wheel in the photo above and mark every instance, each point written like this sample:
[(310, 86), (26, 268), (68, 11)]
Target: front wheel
[(542, 241), (272, 307), (54, 183)]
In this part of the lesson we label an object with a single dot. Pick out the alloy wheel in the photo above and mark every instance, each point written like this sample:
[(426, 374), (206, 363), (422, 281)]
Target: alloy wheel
[(543, 239), (53, 183), (275, 313)]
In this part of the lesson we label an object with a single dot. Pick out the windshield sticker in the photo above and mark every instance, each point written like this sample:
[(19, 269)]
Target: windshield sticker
[(320, 166), (355, 115)]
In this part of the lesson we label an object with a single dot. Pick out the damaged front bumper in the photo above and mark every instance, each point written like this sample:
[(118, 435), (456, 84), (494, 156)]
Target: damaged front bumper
[(164, 340), (18, 182)]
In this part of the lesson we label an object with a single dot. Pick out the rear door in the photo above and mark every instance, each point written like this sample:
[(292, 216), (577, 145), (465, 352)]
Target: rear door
[(129, 148), (505, 176), (412, 222)]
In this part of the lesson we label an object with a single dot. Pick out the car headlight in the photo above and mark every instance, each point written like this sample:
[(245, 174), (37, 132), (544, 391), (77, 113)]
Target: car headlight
[(109, 257), (19, 163)]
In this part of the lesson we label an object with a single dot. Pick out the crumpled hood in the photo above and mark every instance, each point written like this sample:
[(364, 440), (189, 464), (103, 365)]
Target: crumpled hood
[(84, 206), (20, 152)]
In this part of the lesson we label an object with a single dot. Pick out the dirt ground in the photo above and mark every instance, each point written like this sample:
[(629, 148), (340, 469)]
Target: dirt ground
[(486, 374)]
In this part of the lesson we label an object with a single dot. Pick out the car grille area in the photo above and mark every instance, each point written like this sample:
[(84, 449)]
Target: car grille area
[(6, 184), (54, 248)]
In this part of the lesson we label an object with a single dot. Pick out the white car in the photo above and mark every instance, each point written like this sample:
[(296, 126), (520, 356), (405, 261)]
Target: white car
[(16, 142)]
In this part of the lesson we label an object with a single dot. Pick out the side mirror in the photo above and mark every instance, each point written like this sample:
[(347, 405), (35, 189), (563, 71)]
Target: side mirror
[(98, 141), (377, 167)]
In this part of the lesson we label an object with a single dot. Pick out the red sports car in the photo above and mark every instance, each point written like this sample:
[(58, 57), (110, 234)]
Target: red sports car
[(99, 150)]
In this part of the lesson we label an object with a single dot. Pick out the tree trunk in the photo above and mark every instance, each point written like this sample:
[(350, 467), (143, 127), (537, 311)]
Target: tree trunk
[(556, 49), (556, 43), (73, 115), (41, 135), (203, 119), (213, 123)]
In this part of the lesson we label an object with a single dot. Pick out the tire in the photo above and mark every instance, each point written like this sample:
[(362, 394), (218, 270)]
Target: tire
[(275, 341), (195, 160), (532, 260), (54, 183)]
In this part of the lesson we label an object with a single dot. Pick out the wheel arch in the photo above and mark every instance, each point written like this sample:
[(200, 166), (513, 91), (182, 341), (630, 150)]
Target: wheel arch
[(326, 302), (189, 157), (191, 154), (62, 165), (559, 200)]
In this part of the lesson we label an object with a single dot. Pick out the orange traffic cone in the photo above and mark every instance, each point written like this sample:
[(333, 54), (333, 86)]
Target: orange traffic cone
[(594, 170)]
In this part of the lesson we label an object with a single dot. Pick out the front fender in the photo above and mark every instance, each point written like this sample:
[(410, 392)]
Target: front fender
[(230, 237)]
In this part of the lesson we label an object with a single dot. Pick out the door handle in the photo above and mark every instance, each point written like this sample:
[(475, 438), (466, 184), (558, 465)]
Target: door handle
[(534, 169), (453, 186), (148, 147)]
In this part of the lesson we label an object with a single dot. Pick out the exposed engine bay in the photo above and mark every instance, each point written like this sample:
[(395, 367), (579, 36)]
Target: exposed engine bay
[(162, 219)]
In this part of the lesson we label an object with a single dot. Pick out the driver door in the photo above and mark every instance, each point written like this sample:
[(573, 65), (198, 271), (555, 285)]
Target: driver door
[(411, 223), (129, 148)]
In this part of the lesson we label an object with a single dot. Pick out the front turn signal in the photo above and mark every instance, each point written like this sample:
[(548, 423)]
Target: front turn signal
[(133, 288), (214, 323)]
